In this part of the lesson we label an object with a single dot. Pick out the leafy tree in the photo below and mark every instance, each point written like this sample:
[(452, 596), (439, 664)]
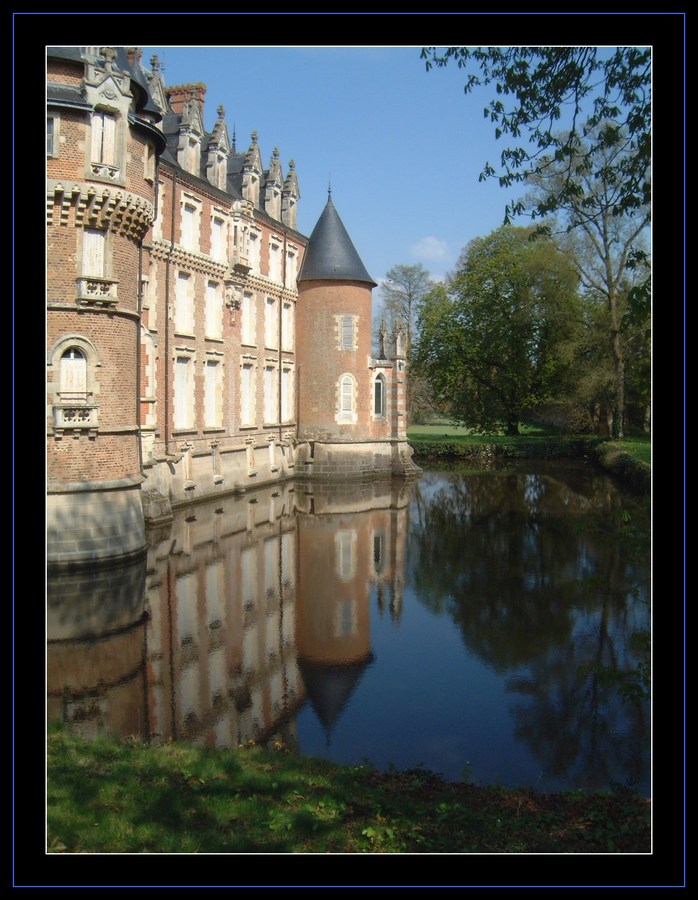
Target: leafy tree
[(497, 339), (606, 94), (608, 249)]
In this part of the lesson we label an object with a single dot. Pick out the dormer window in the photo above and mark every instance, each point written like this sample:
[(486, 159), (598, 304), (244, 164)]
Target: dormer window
[(193, 156), (103, 158)]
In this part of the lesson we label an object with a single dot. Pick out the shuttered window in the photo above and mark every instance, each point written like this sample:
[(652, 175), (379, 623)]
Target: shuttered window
[(73, 375), (347, 335), (93, 252), (103, 137), (346, 399)]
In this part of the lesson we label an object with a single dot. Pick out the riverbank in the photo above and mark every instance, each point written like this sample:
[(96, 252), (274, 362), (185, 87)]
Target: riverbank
[(111, 796), (626, 460)]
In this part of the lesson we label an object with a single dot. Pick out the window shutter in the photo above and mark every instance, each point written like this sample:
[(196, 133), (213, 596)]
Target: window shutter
[(73, 375), (347, 333), (347, 399), (97, 129), (109, 140), (93, 253)]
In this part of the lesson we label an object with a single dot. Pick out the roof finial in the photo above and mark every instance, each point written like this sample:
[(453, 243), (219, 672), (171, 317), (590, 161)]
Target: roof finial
[(329, 185), (234, 149)]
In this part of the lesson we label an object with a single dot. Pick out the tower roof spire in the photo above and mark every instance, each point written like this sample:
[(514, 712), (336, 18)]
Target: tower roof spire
[(331, 254)]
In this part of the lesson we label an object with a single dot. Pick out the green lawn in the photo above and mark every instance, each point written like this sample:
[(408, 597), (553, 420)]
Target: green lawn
[(110, 796)]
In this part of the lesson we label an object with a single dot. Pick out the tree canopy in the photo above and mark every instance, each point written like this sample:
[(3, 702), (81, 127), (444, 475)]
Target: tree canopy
[(497, 339), (556, 97)]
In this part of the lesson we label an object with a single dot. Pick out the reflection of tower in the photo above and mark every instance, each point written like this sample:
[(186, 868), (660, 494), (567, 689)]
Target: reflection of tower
[(96, 649), (332, 609), (346, 545)]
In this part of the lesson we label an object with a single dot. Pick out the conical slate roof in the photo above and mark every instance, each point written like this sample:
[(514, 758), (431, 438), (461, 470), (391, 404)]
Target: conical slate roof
[(331, 254)]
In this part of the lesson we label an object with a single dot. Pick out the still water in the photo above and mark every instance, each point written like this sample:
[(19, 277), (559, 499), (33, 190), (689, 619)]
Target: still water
[(486, 625)]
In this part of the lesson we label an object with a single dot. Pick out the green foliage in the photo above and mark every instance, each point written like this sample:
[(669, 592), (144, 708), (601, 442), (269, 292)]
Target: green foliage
[(579, 121), (497, 338), (547, 99)]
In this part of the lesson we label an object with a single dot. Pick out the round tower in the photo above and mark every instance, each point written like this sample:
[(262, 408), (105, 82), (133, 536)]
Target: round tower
[(351, 406), (102, 147), (333, 336)]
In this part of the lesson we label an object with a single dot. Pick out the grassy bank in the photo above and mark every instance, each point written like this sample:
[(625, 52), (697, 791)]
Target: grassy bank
[(123, 796), (629, 459)]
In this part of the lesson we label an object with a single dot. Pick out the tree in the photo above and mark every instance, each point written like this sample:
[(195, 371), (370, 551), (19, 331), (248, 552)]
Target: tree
[(497, 339), (606, 93), (608, 249), (401, 294)]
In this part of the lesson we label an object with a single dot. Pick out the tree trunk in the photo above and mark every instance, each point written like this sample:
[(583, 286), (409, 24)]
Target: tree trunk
[(619, 387), (512, 426)]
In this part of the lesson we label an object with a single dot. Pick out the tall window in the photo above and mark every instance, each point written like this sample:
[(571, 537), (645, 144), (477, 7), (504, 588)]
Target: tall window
[(149, 161), (271, 326), (287, 337), (189, 212), (73, 376), (346, 411), (184, 392), (184, 304), (218, 242), (214, 310), (347, 332), (247, 394), (213, 384), (275, 261), (249, 317), (52, 135), (379, 396), (287, 394), (270, 401), (254, 256), (103, 138), (93, 255), (291, 268)]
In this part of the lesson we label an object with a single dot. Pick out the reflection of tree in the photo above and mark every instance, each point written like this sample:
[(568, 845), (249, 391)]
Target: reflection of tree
[(539, 575)]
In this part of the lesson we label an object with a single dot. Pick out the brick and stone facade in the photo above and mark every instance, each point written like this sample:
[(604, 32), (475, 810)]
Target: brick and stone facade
[(190, 351)]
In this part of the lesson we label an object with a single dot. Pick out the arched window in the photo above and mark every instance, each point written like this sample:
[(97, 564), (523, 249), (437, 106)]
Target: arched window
[(73, 376), (379, 396), (73, 385), (346, 411)]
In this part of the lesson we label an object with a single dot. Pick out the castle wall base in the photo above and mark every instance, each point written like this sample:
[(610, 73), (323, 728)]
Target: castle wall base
[(94, 522), (174, 481), (328, 460)]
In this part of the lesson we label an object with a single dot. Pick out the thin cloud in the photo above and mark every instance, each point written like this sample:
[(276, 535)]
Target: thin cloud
[(430, 249)]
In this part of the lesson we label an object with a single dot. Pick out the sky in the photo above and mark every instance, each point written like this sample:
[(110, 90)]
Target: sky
[(402, 148)]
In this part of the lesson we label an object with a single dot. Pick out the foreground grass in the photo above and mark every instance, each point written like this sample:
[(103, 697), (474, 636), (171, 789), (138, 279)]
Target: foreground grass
[(123, 796)]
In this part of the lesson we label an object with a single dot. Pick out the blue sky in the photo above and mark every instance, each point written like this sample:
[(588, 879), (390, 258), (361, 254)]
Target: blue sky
[(403, 148)]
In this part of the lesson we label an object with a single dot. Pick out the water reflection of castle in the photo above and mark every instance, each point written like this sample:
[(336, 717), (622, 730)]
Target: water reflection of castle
[(244, 609)]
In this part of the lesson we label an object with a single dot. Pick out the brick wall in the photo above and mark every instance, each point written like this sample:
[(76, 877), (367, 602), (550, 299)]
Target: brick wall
[(322, 363)]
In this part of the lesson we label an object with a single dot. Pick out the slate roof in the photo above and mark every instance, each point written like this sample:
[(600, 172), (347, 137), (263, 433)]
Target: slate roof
[(330, 254)]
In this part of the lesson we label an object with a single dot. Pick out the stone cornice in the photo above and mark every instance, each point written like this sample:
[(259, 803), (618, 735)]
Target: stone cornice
[(98, 206), (189, 259)]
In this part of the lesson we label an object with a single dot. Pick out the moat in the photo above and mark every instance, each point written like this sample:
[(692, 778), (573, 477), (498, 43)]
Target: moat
[(491, 625)]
